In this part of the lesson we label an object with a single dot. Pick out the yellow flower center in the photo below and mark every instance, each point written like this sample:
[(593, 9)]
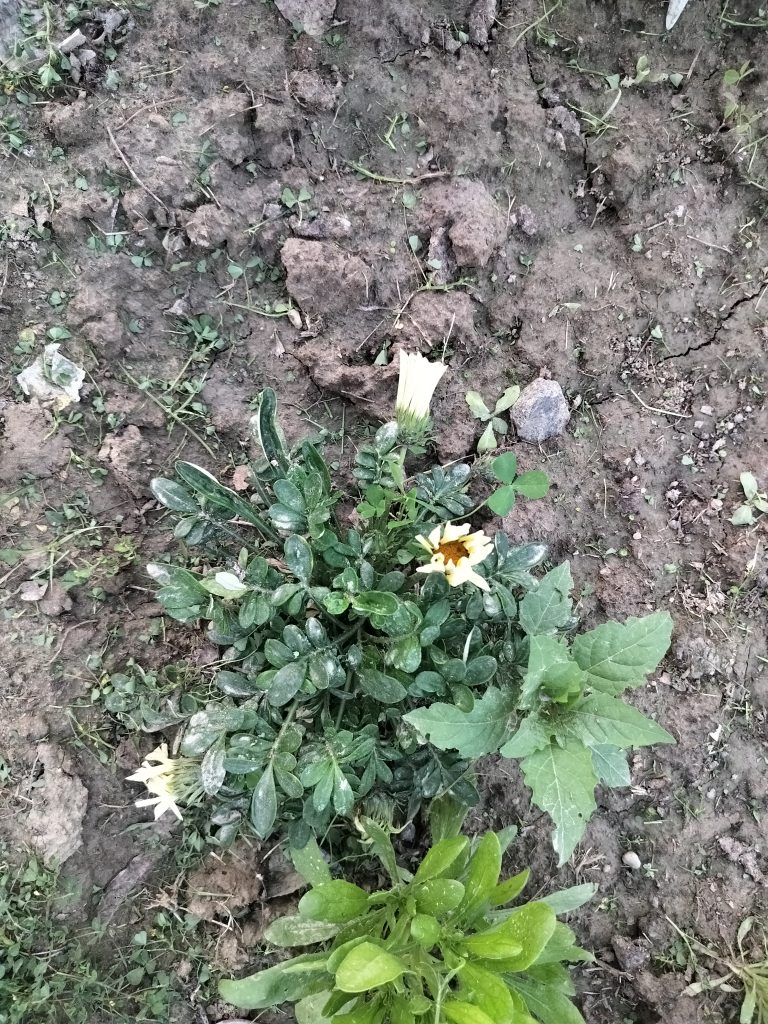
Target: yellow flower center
[(452, 550)]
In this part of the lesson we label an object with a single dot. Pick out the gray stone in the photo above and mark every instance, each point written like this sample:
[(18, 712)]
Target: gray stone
[(314, 16), (541, 411), (9, 25)]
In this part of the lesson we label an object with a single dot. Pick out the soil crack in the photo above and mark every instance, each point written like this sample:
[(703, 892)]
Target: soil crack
[(720, 325)]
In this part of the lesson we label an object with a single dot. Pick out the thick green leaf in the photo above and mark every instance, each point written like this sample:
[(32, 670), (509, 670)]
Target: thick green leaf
[(504, 467), (367, 967), (174, 496), (480, 670), (375, 602), (264, 804), (474, 733), (492, 944), (531, 927), (336, 901), (563, 947), (439, 860), (533, 484), (310, 863), (405, 655), (601, 719), (212, 771), (548, 607), (287, 982), (225, 584), (266, 432), (616, 655), (310, 1009), (562, 782), (298, 558), (297, 931), (286, 683), (383, 688), (481, 876), (611, 766)]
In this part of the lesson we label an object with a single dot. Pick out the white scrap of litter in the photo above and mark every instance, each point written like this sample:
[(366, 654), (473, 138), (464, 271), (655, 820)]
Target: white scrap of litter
[(675, 9), (52, 378)]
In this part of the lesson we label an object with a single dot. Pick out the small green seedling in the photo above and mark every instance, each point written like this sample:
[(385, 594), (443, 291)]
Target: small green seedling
[(757, 501), (735, 75), (496, 425), (532, 484), (293, 201)]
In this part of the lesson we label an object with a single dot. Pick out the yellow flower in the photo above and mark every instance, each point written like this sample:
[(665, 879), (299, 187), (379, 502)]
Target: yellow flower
[(415, 388), (455, 551), (169, 779)]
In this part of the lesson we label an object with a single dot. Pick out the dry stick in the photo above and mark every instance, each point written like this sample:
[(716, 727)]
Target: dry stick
[(429, 176), (131, 171), (661, 412), (148, 106)]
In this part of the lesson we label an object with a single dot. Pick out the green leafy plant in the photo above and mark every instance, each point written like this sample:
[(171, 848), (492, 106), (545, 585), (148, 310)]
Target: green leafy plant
[(756, 501), (496, 425), (441, 944), (351, 684)]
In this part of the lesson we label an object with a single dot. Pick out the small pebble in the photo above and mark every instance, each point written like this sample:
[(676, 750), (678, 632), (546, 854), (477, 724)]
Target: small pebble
[(631, 861)]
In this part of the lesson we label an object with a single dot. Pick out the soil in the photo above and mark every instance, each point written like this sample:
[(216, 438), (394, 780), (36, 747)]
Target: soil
[(628, 264)]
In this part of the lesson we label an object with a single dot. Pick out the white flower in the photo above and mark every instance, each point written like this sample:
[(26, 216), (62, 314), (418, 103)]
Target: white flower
[(169, 779), (455, 551), (415, 388)]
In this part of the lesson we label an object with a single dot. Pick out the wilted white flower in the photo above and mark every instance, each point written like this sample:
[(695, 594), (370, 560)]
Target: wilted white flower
[(169, 779), (416, 386), (455, 551)]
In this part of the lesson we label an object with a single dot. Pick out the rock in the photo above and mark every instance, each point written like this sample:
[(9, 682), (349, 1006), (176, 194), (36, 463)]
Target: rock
[(467, 210), (745, 856), (52, 378), (208, 226), (632, 955), (58, 807), (481, 17), (314, 16), (126, 454), (311, 90), (541, 411), (322, 278), (325, 225), (56, 600), (631, 860), (525, 219)]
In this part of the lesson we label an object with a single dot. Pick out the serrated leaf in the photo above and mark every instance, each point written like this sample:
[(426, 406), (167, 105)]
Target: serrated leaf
[(264, 804), (616, 655), (611, 766), (562, 781), (298, 931), (548, 607), (477, 406), (531, 735), (473, 733), (544, 653), (602, 719)]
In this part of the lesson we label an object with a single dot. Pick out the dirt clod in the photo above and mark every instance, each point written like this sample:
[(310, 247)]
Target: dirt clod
[(55, 822), (322, 278), (314, 16)]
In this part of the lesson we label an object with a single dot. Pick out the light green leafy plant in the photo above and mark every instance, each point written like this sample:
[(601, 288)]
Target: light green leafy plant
[(364, 668), (440, 945), (756, 501), (496, 425)]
